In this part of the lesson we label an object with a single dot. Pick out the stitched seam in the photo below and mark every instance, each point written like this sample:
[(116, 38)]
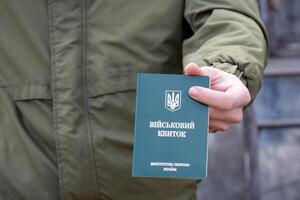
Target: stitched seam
[(55, 96), (85, 97)]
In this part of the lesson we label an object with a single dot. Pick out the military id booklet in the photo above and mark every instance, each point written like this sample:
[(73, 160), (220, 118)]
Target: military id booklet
[(171, 128)]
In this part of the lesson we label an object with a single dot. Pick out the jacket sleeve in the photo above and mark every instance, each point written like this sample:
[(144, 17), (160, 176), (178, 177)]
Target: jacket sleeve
[(229, 35)]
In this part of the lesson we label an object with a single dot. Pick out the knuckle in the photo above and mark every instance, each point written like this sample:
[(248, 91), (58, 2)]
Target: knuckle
[(224, 127), (246, 96), (211, 111), (230, 103), (237, 118)]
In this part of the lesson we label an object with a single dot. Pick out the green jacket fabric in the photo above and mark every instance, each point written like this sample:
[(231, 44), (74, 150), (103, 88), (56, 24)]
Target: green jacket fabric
[(67, 86)]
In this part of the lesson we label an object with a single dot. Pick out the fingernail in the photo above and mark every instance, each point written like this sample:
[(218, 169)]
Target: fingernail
[(193, 91)]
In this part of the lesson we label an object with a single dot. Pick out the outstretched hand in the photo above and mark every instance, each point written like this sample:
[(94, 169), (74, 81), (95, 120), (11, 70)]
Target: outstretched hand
[(226, 97)]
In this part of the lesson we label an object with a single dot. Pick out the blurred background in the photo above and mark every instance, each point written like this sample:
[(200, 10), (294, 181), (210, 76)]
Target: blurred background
[(260, 159)]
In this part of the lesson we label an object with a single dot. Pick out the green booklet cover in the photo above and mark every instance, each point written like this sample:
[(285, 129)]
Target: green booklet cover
[(171, 128)]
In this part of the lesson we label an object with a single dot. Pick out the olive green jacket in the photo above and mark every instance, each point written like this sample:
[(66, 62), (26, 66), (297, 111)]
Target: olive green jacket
[(67, 86)]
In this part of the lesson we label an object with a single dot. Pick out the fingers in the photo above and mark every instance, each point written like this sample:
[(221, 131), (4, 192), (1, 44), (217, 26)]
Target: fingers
[(231, 116), (217, 125), (226, 97), (213, 98), (220, 120), (234, 97), (227, 91)]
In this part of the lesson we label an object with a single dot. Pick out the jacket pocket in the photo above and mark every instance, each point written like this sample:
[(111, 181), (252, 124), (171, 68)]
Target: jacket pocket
[(111, 85), (27, 91), (27, 144)]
